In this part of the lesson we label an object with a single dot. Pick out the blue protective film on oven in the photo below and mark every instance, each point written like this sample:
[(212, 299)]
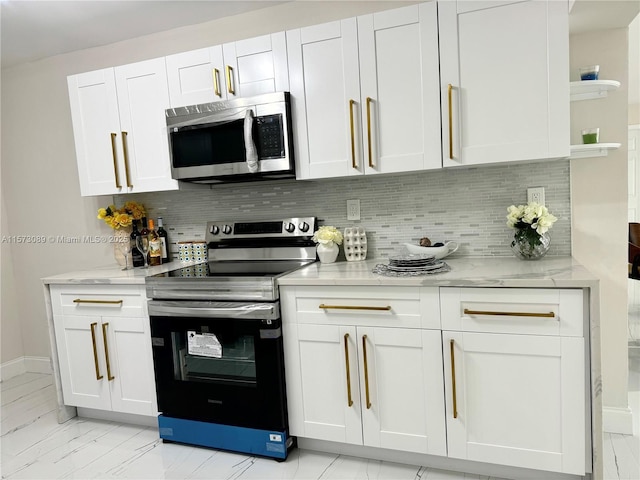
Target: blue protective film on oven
[(267, 443)]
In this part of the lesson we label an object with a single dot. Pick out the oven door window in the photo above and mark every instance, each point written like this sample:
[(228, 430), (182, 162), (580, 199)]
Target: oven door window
[(226, 358)]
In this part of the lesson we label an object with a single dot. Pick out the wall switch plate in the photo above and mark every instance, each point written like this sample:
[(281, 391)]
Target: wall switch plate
[(535, 194), (353, 209)]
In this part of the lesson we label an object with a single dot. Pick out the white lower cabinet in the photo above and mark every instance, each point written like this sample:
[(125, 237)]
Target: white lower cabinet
[(104, 348)]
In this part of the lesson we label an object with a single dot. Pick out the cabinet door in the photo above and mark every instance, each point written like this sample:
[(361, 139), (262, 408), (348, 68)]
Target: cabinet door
[(329, 384), (196, 77), (402, 392), (256, 65), (82, 362), (96, 130), (131, 365), (142, 99), (516, 400), (504, 81), (325, 91), (400, 89)]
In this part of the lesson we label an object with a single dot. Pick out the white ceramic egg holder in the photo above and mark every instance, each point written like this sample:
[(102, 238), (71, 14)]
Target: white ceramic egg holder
[(355, 244)]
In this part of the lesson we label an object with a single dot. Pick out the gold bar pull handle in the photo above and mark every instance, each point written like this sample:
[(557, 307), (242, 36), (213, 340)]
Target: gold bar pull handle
[(453, 380), (346, 362), (126, 159), (352, 307), (449, 94), (115, 160), (509, 314), (95, 350), (102, 302), (230, 87), (369, 100), (106, 350), (366, 371), (353, 135), (216, 82)]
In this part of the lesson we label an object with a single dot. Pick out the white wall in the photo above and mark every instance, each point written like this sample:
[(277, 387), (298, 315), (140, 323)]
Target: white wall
[(39, 176), (599, 200)]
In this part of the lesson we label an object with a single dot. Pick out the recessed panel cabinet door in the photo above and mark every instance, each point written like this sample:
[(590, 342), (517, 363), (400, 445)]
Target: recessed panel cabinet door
[(504, 81), (96, 128), (516, 400), (196, 77), (402, 389), (325, 91), (400, 89), (143, 97)]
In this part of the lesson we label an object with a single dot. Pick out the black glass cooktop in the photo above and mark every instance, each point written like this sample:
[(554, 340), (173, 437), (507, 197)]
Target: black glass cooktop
[(236, 268)]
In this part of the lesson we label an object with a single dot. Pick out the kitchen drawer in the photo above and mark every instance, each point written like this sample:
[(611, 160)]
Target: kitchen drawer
[(103, 300), (407, 307), (514, 310)]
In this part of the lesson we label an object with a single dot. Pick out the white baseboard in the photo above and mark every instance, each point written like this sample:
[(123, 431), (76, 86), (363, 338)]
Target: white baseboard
[(21, 365), (143, 420), (617, 420)]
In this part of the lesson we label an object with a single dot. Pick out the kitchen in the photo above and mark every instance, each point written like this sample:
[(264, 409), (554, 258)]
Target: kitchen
[(26, 168)]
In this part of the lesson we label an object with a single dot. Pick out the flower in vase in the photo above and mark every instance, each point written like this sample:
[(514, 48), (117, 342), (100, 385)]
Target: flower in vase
[(327, 234)]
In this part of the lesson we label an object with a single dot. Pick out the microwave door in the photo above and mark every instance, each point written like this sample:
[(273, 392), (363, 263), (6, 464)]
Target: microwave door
[(249, 145)]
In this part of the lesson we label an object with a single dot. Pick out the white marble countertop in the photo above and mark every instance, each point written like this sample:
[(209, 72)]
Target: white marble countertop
[(113, 275), (559, 272)]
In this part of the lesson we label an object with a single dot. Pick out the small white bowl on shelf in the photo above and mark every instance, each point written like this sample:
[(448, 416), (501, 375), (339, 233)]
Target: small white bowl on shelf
[(439, 252)]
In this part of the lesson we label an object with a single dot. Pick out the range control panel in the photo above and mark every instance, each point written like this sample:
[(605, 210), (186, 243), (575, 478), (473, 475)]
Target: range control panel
[(221, 230)]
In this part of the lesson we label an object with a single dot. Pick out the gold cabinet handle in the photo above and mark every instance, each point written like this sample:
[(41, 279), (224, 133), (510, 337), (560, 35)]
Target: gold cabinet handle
[(115, 161), (449, 94), (453, 380), (509, 314), (216, 83), (95, 350), (352, 307), (126, 159), (366, 371), (230, 87), (107, 302), (353, 135), (106, 350), (369, 100), (346, 362)]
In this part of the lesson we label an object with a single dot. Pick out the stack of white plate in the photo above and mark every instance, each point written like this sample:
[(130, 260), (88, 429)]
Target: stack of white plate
[(410, 265)]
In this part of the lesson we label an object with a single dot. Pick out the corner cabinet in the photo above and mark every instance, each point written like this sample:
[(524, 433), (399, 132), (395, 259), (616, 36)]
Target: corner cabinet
[(504, 69), (238, 69), (120, 130), (366, 94), (104, 348)]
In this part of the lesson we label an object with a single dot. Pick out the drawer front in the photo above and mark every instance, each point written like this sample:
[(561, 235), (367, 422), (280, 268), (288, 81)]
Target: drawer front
[(407, 307), (514, 310), (103, 300)]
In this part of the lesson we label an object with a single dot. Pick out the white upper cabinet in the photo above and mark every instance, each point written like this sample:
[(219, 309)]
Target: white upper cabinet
[(504, 70), (365, 94), (119, 129), (239, 69)]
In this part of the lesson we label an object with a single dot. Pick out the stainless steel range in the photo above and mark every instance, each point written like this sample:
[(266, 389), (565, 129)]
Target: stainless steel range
[(217, 338)]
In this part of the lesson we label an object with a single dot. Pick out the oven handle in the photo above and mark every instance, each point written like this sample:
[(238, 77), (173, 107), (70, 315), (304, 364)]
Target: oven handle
[(167, 308)]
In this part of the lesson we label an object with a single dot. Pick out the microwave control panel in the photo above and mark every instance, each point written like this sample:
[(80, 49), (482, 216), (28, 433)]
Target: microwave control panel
[(270, 136)]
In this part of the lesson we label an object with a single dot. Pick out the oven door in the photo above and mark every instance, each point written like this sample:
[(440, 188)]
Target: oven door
[(219, 362)]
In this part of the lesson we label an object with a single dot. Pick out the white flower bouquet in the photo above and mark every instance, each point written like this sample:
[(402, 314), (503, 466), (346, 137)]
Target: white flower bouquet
[(531, 222), (327, 234)]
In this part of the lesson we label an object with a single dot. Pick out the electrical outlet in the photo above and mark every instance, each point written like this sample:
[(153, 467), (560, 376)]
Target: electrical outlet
[(353, 209), (535, 194)]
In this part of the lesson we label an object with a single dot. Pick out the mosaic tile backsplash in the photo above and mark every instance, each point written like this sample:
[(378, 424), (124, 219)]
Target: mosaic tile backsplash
[(466, 205)]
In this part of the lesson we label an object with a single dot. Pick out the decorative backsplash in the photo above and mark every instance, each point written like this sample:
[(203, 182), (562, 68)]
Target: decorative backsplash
[(466, 205)]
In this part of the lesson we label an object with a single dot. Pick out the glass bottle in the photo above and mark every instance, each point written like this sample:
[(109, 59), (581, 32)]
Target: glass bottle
[(155, 246), (164, 241)]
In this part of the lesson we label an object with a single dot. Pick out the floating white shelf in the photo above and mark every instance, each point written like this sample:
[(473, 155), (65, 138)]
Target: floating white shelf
[(592, 150), (589, 89)]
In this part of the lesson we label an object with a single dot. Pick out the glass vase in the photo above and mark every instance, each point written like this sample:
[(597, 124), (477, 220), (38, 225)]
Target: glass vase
[(327, 252), (527, 244)]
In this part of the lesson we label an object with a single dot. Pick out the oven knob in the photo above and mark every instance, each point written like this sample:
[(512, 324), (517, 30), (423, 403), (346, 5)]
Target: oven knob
[(214, 229), (304, 226), (289, 227), (226, 229)]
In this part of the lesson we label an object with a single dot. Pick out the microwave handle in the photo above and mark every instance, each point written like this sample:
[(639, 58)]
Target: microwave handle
[(249, 145)]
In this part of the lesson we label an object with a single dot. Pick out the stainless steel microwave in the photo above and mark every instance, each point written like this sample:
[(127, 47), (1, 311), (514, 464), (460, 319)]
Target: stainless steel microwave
[(236, 140)]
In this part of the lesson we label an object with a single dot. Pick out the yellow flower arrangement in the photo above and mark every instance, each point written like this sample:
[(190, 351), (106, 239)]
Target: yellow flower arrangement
[(118, 218)]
